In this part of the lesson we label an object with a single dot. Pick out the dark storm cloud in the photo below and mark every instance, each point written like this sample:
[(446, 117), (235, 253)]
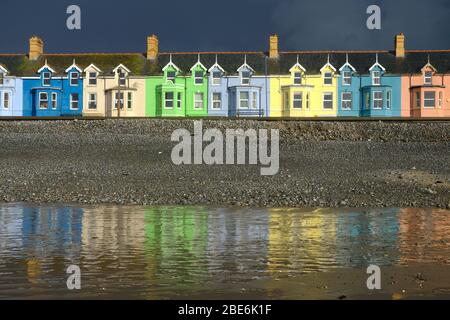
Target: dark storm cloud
[(228, 25)]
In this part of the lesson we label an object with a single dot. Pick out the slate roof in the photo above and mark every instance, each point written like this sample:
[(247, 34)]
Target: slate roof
[(20, 65)]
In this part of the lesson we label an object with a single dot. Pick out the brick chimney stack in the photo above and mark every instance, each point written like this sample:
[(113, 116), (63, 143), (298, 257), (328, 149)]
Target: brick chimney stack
[(400, 45), (36, 48), (273, 47), (152, 47)]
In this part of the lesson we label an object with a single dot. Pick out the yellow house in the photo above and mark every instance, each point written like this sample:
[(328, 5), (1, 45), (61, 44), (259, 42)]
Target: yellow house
[(304, 94)]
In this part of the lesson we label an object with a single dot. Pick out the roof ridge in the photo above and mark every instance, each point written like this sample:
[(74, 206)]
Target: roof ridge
[(434, 50), (212, 52), (336, 51)]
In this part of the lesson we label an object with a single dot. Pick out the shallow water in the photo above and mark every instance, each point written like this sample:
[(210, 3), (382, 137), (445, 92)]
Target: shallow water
[(162, 252)]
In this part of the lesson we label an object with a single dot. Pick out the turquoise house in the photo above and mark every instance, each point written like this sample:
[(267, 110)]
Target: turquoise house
[(368, 86)]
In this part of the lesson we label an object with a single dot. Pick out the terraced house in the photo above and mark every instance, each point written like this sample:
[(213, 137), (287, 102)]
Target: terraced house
[(273, 83)]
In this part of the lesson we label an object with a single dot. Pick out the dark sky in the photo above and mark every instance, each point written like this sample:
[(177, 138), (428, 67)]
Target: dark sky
[(226, 25)]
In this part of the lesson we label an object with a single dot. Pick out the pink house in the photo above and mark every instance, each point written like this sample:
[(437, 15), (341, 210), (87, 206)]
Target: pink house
[(426, 93)]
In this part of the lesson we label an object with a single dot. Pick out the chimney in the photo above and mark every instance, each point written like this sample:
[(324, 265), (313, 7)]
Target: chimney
[(152, 47), (36, 48), (273, 46), (400, 45)]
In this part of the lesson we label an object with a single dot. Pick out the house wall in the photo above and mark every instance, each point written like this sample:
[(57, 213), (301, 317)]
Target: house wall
[(98, 89), (223, 90), (61, 86), (259, 83), (355, 89), (408, 105), (139, 97), (388, 82), (14, 86), (316, 107)]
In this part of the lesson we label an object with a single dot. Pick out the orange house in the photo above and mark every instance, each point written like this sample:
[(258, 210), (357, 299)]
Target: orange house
[(427, 93)]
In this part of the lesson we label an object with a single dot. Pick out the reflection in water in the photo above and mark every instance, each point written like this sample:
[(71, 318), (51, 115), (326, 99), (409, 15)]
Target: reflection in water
[(160, 252)]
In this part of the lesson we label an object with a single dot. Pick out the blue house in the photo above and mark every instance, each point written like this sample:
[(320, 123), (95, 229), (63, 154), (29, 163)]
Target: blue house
[(242, 92), (50, 94), (11, 94), (369, 92)]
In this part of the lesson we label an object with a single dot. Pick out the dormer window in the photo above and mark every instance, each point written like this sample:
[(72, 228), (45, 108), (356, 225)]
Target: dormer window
[(245, 77), (122, 78), (428, 79), (328, 78), (347, 78), (2, 79), (376, 78), (216, 78), (74, 78), (171, 76), (46, 78), (92, 78), (198, 77), (297, 78)]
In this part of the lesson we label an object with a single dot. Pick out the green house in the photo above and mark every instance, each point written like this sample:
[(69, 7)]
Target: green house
[(177, 92)]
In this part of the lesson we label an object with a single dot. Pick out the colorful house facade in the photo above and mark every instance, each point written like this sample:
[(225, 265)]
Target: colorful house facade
[(53, 93), (11, 94), (178, 92), (398, 83), (371, 89), (426, 92)]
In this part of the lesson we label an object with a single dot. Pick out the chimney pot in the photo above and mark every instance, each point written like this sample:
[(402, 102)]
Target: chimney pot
[(152, 47), (36, 48)]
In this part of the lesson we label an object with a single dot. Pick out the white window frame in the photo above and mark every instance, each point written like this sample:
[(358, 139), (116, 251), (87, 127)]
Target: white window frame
[(388, 99), (90, 100), (327, 76), (327, 100), (130, 100), (216, 101), (245, 80), (74, 76), (425, 99), (247, 100), (170, 100), (54, 101), (43, 100), (440, 96), (91, 78), (202, 101), (72, 101), (347, 75), (376, 78), (296, 99), (179, 100), (216, 81), (198, 78), (297, 78), (428, 80), (122, 78), (375, 100), (44, 79), (344, 101), (172, 79), (6, 93)]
